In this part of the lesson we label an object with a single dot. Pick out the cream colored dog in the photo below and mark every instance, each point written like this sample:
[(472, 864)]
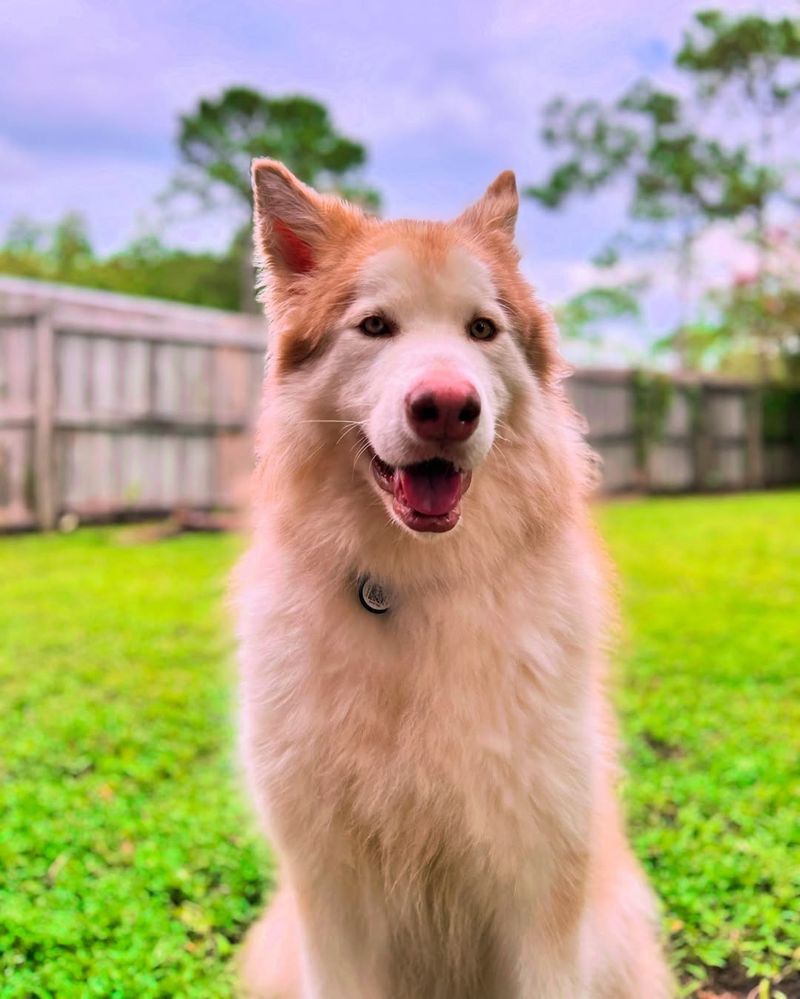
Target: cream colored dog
[(421, 626)]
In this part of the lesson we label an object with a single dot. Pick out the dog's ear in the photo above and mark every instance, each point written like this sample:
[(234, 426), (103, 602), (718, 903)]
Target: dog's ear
[(497, 209), (293, 223)]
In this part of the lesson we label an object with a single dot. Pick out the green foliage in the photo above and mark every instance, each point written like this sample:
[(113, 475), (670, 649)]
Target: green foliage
[(644, 137), (158, 271), (599, 146), (758, 54), (219, 139), (780, 413), (652, 397), (130, 864), (70, 243), (216, 142), (146, 267), (678, 180), (748, 328), (25, 235), (58, 251), (131, 867), (758, 59), (579, 316), (681, 178)]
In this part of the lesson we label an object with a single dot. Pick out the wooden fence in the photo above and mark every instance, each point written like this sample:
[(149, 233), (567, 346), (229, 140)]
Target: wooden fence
[(112, 405), (665, 433)]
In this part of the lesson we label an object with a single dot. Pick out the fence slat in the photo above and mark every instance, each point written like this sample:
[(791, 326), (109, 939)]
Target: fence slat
[(44, 461)]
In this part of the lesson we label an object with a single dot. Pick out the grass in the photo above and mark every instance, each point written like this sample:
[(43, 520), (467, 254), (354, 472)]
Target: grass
[(129, 862), (126, 869), (710, 703)]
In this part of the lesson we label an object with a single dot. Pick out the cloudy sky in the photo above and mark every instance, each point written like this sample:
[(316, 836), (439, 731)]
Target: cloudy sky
[(445, 95)]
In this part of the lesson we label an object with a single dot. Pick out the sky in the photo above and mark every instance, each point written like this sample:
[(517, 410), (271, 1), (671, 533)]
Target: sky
[(444, 94)]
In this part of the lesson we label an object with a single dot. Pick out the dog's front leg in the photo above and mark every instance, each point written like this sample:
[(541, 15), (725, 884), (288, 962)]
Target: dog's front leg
[(552, 968), (550, 942), (342, 952), (553, 983)]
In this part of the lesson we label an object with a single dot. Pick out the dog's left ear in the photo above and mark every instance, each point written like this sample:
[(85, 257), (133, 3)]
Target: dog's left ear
[(497, 209)]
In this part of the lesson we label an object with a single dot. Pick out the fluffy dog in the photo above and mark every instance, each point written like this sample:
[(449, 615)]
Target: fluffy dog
[(421, 624)]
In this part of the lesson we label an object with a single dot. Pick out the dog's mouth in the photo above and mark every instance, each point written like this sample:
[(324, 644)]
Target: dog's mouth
[(426, 496)]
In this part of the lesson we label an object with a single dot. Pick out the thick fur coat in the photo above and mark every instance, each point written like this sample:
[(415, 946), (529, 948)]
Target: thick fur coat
[(438, 780)]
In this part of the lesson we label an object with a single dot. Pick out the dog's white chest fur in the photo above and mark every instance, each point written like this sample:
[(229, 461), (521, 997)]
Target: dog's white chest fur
[(431, 727), (434, 760)]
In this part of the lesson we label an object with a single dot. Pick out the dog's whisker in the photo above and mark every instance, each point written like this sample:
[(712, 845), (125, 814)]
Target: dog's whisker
[(502, 425), (358, 446), (504, 456), (364, 447), (344, 434)]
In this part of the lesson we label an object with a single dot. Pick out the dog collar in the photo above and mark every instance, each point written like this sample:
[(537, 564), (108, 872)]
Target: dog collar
[(372, 595)]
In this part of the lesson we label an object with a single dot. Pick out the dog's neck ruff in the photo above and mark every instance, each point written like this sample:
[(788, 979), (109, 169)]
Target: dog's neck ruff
[(373, 596)]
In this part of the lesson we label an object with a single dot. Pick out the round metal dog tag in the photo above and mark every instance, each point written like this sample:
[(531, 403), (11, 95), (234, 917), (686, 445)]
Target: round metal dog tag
[(372, 595)]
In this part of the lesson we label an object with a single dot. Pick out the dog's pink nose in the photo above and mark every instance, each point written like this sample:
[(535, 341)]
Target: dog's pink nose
[(443, 409)]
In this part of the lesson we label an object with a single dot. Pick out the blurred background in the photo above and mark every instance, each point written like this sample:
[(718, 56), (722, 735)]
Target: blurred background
[(656, 150)]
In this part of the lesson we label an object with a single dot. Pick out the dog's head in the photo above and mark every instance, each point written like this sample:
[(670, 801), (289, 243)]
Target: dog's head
[(403, 355)]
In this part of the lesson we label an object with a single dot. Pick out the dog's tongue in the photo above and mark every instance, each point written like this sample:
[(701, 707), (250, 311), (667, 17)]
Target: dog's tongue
[(431, 487)]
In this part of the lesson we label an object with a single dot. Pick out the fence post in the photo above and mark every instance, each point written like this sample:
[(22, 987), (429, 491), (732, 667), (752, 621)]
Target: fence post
[(44, 413), (701, 444), (755, 439), (639, 416)]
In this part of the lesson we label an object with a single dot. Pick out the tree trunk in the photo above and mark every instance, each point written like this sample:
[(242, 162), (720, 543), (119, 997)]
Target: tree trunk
[(685, 275), (247, 280), (242, 248)]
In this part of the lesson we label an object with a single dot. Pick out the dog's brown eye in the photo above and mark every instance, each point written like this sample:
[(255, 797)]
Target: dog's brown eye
[(482, 329), (374, 326)]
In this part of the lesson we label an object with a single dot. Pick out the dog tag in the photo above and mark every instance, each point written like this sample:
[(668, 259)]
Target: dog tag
[(372, 595)]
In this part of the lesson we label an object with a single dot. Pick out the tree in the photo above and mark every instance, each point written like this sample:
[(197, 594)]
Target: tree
[(25, 235), (145, 267), (751, 56), (751, 328), (678, 180), (219, 139), (69, 244), (756, 60), (752, 325)]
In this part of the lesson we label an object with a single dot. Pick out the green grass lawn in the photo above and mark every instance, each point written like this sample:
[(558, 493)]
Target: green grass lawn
[(129, 865)]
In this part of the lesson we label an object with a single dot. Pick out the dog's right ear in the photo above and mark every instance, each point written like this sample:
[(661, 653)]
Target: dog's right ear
[(289, 228), (293, 223), (497, 209)]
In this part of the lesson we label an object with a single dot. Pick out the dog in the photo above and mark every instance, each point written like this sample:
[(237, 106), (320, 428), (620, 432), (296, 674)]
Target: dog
[(422, 621)]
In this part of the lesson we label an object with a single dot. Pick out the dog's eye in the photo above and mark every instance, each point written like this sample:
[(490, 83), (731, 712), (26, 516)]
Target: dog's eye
[(374, 326), (482, 329)]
